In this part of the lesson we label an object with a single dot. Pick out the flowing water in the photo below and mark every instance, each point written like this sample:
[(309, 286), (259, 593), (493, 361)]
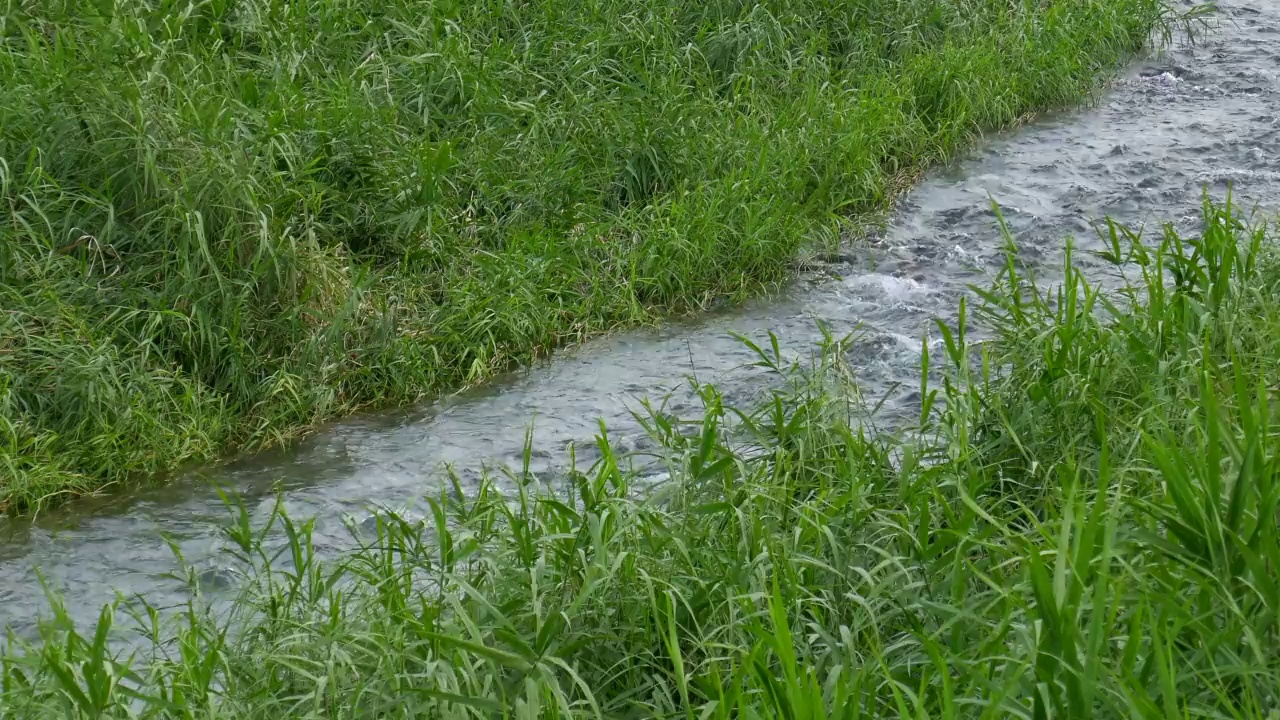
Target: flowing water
[(1178, 122)]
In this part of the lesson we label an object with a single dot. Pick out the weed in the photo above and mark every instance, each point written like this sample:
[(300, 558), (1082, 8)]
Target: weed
[(224, 222), (1086, 530)]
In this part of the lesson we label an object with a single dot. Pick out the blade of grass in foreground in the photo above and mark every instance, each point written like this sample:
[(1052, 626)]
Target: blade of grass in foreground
[(1093, 534)]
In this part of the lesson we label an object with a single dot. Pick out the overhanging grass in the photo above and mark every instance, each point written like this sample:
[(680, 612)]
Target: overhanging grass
[(1084, 527), (225, 221)]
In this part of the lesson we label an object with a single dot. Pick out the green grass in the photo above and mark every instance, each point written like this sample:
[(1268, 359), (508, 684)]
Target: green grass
[(1084, 526), (226, 221)]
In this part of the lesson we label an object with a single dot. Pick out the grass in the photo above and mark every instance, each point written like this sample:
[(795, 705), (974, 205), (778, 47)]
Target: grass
[(226, 221), (1084, 525)]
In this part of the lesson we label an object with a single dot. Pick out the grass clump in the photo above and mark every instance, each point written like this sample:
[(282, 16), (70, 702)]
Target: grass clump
[(225, 221), (1085, 525)]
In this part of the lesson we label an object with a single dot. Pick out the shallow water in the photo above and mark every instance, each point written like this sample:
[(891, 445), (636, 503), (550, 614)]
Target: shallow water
[(1175, 124)]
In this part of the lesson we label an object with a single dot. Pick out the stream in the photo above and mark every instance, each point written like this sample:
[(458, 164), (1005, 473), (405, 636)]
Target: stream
[(1175, 123)]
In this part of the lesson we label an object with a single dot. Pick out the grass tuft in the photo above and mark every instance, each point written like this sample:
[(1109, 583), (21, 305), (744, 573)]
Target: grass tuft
[(226, 221), (1085, 526)]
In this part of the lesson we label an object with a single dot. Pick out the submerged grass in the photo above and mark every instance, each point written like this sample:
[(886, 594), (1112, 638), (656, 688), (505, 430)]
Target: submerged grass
[(1085, 525), (226, 220)]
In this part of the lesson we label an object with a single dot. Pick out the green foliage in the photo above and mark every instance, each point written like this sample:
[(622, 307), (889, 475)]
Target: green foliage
[(1086, 526), (226, 220)]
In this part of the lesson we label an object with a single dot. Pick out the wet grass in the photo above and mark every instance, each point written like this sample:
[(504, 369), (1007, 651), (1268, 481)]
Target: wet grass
[(1084, 526), (226, 221)]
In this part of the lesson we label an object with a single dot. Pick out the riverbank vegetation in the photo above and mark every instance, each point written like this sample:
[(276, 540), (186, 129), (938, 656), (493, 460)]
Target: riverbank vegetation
[(1084, 524), (226, 221)]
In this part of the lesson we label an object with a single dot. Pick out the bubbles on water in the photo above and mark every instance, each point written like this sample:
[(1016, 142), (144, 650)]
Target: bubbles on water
[(875, 286), (1167, 79), (1242, 176), (889, 345), (1175, 81), (1258, 156)]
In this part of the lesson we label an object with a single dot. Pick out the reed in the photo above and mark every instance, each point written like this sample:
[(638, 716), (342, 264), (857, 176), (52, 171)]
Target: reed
[(225, 221), (1082, 526)]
